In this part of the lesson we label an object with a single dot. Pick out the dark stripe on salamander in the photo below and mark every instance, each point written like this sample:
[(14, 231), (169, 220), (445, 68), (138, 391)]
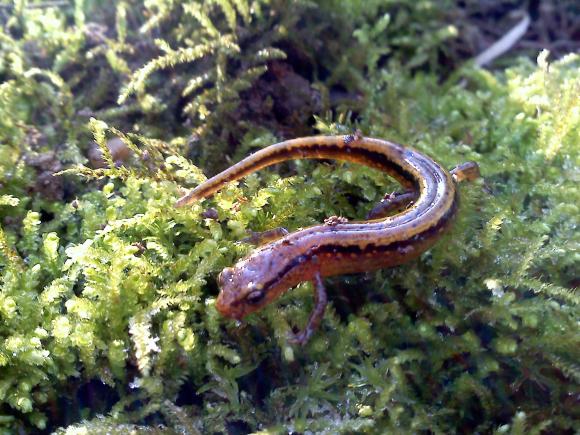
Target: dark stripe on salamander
[(370, 158), (374, 159), (338, 249)]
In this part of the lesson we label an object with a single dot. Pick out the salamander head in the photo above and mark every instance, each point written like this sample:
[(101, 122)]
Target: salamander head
[(246, 287)]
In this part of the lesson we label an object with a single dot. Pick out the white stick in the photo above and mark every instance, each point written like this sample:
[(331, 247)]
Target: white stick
[(505, 43)]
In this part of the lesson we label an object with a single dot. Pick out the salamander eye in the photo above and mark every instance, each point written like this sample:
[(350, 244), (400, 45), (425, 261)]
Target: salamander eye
[(255, 297)]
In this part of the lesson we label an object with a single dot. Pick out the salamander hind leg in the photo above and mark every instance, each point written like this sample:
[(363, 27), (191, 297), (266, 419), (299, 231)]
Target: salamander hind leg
[(466, 171), (391, 203), (320, 302)]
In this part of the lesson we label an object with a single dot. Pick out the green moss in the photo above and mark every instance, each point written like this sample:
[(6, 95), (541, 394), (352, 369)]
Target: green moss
[(111, 289)]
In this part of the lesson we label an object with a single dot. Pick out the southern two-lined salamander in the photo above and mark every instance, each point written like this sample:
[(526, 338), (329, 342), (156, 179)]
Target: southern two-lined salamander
[(338, 246)]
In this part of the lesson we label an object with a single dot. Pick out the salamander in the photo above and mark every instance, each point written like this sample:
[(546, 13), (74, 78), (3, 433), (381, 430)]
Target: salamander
[(425, 211)]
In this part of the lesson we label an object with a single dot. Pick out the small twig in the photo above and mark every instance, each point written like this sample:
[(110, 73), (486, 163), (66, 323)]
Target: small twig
[(505, 43)]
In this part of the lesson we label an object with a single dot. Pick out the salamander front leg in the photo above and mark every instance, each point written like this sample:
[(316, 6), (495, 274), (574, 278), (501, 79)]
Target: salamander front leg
[(392, 202), (466, 171), (320, 301)]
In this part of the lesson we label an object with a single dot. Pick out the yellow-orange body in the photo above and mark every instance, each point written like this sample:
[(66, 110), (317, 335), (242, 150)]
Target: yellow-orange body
[(338, 247)]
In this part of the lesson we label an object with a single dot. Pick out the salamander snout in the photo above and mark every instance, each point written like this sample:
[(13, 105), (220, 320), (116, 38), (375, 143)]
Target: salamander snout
[(241, 288), (227, 299), (225, 277)]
